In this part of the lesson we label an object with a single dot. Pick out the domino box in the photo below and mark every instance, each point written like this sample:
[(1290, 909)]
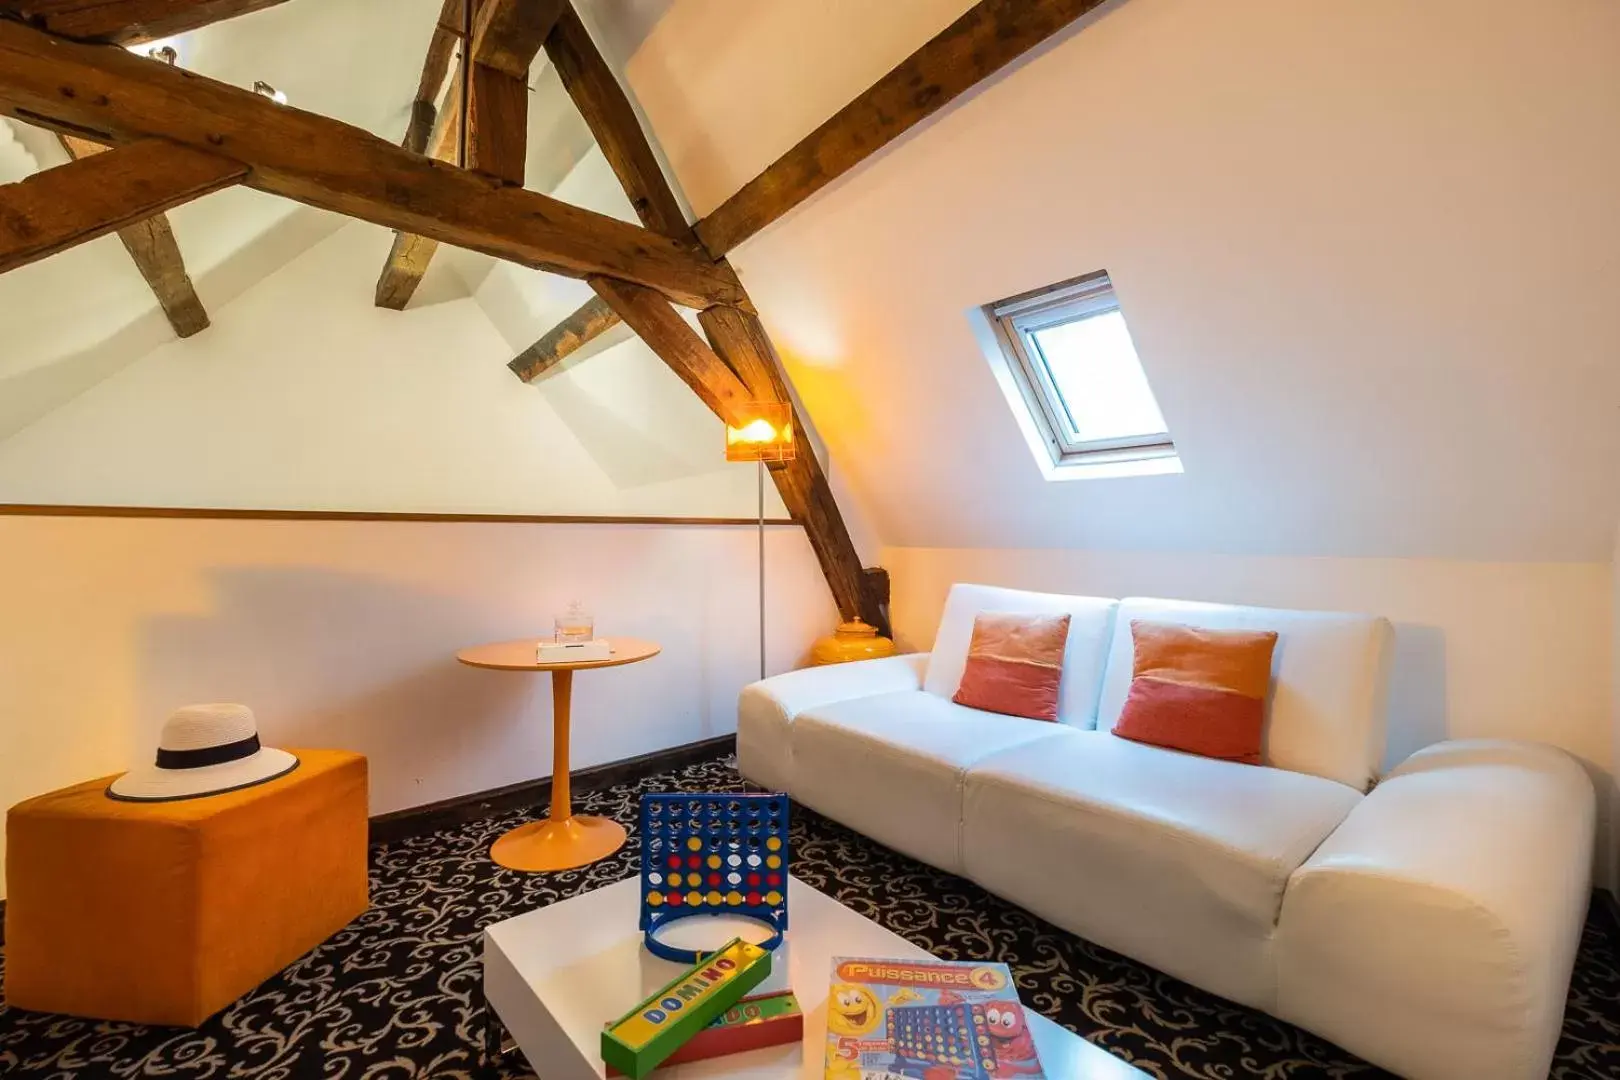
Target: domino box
[(644, 1037), (752, 1023)]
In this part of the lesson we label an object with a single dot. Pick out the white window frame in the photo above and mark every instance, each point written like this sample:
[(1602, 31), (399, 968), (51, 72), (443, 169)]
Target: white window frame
[(1015, 321)]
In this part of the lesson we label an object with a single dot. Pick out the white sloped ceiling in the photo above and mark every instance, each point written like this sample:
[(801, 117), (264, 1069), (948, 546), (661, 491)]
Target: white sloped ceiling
[(1367, 251)]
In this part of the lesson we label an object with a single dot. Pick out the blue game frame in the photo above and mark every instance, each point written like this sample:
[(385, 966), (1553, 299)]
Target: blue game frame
[(907, 1024), (731, 854)]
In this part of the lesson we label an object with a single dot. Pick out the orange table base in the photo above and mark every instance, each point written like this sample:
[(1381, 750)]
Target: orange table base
[(564, 840), (558, 845)]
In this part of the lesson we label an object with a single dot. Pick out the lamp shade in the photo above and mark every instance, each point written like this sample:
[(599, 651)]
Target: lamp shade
[(765, 433)]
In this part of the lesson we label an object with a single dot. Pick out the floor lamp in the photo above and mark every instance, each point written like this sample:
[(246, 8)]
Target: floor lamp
[(764, 434)]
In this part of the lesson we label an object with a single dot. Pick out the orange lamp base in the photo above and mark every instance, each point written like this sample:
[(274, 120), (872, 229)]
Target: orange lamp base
[(558, 845)]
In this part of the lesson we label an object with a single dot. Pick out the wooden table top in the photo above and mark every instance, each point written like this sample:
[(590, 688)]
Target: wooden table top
[(520, 655)]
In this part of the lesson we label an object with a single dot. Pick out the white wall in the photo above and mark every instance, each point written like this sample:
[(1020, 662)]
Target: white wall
[(304, 395), (343, 634), (1513, 650)]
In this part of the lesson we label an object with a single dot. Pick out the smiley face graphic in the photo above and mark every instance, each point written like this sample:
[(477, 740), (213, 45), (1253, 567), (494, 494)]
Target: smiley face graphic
[(851, 1010)]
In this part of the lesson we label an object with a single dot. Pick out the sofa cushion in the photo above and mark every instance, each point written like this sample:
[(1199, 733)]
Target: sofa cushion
[(1201, 691), (891, 765), (1015, 665), (1329, 674), (1090, 619), (1176, 860)]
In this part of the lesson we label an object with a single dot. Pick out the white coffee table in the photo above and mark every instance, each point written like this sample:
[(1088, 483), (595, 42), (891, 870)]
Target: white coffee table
[(556, 975)]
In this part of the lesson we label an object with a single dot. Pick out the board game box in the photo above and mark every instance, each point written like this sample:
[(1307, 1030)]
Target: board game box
[(926, 1020)]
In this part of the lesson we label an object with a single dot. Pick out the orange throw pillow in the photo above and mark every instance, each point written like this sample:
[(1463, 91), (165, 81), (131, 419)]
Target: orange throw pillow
[(1201, 691), (1015, 665)]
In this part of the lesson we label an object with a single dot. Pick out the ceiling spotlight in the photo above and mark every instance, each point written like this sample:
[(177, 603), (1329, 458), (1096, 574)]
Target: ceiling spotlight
[(264, 89), (164, 50)]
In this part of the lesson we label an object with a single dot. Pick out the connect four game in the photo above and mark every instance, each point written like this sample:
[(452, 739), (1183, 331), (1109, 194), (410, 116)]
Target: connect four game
[(712, 855), (949, 1035), (926, 1020)]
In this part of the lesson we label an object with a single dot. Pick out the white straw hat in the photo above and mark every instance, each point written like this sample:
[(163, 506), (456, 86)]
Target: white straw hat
[(204, 750)]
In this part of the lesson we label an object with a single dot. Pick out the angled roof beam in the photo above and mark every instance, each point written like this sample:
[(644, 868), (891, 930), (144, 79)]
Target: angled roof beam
[(740, 340), (681, 347), (127, 22), (596, 92), (152, 247), (70, 204), (112, 96), (612, 120), (735, 367), (991, 35)]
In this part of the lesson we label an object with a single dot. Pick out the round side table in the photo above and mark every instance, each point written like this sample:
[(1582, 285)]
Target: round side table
[(562, 841)]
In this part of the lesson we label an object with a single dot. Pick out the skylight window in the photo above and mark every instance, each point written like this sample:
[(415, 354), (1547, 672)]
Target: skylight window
[(1076, 374)]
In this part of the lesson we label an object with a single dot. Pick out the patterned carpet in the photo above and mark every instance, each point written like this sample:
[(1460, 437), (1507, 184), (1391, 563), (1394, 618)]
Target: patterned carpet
[(395, 994)]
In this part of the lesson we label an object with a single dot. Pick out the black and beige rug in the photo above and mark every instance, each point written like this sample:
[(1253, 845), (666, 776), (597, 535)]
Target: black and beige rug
[(395, 994)]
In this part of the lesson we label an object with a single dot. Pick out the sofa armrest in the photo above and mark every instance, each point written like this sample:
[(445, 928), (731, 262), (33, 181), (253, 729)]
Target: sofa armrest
[(766, 709), (1435, 930)]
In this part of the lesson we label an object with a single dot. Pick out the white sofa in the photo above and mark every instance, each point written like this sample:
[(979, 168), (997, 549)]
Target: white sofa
[(1429, 925)]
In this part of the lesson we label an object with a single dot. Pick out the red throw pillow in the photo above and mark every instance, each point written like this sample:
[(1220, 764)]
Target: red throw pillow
[(1015, 665), (1200, 691)]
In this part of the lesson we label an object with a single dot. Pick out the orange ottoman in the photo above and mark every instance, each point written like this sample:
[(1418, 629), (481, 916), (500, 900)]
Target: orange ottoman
[(165, 913)]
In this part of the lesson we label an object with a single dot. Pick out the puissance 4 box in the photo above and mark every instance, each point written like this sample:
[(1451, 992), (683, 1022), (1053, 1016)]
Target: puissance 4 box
[(928, 1020)]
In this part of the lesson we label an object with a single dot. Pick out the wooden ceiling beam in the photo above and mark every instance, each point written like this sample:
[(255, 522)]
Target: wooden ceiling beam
[(127, 22), (679, 346), (156, 254), (741, 341), (70, 204), (112, 96), (991, 35), (593, 319), (612, 120)]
